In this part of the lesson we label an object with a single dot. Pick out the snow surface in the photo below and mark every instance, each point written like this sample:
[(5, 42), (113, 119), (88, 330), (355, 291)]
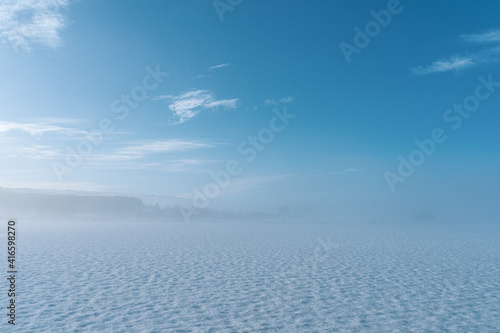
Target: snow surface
[(153, 277)]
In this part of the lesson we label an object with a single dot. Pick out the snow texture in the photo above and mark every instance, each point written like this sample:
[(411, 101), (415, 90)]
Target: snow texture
[(153, 277)]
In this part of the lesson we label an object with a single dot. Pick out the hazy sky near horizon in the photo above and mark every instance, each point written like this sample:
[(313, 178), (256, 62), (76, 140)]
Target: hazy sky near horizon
[(69, 68)]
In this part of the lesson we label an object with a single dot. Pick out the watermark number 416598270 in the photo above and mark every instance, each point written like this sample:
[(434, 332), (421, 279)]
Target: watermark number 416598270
[(12, 271)]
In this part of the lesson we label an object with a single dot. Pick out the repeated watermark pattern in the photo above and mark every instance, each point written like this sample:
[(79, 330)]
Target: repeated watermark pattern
[(223, 6), (106, 126), (454, 117), (363, 37), (249, 148)]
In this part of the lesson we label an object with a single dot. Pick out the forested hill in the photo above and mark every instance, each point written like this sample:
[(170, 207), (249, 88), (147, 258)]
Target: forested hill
[(61, 205)]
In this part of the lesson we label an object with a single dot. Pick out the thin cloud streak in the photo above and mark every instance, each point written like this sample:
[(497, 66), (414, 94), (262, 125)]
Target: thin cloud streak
[(213, 68), (455, 63), (40, 152), (140, 151), (169, 166), (132, 152), (460, 62), (487, 37), (350, 170), (37, 129)]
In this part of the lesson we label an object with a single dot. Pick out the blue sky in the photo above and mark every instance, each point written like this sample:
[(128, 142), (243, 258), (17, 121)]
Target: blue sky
[(66, 65)]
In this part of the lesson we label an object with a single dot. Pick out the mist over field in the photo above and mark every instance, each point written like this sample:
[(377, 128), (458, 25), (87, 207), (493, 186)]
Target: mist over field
[(63, 206), (244, 166)]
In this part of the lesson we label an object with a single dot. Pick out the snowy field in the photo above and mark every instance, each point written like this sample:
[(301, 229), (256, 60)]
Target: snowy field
[(154, 277)]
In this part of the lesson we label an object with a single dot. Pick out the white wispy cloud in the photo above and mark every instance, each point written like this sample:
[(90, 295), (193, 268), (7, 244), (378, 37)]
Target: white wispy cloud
[(167, 165), (346, 171), (213, 68), (283, 100), (454, 63), (210, 72), (58, 120), (487, 37), (40, 152), (225, 103), (24, 23), (141, 150), (461, 62), (37, 128), (189, 104), (162, 97)]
